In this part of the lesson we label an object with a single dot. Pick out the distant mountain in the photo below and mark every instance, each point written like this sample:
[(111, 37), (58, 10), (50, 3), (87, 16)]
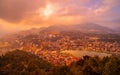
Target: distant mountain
[(85, 28), (117, 29), (31, 31)]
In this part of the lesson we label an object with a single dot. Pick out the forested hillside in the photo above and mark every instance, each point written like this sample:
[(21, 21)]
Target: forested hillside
[(23, 63)]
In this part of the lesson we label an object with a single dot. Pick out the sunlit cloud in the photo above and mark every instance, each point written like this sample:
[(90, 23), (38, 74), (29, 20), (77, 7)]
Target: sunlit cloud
[(29, 13)]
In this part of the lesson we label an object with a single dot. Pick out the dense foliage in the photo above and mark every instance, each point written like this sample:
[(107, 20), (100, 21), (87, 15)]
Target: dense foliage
[(23, 63)]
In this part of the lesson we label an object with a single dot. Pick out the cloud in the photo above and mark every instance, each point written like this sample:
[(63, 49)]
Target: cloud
[(15, 10), (27, 10), (112, 2), (107, 5), (30, 12)]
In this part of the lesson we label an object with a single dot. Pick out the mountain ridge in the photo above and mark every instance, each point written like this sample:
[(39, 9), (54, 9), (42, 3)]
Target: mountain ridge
[(85, 28)]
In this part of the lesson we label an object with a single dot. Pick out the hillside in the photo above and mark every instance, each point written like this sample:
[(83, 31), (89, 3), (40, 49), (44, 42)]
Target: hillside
[(85, 28), (23, 63), (20, 63), (63, 37)]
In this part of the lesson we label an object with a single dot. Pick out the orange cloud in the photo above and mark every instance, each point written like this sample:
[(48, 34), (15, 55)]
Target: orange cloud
[(37, 13), (15, 10)]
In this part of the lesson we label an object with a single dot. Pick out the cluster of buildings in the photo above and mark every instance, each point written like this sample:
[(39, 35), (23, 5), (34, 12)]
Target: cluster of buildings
[(71, 42), (48, 46), (56, 57)]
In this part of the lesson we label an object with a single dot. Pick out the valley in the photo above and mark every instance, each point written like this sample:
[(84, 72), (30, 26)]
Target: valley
[(48, 43)]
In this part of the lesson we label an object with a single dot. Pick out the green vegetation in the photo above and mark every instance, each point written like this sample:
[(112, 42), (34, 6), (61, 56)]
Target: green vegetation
[(23, 63)]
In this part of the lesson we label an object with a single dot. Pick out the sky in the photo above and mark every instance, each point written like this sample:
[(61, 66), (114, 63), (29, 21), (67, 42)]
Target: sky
[(16, 15)]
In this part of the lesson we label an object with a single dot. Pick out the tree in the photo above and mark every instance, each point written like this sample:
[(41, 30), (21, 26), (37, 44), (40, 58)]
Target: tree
[(112, 67), (88, 70)]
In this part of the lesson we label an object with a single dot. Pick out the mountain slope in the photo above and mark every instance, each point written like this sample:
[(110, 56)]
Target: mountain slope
[(85, 28)]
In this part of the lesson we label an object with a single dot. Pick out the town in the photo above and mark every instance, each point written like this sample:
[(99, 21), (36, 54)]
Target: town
[(48, 45)]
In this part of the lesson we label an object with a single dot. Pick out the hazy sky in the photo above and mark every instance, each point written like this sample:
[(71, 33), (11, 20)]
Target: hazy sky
[(24, 14)]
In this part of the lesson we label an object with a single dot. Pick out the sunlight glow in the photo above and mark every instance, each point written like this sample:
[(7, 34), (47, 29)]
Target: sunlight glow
[(48, 11)]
